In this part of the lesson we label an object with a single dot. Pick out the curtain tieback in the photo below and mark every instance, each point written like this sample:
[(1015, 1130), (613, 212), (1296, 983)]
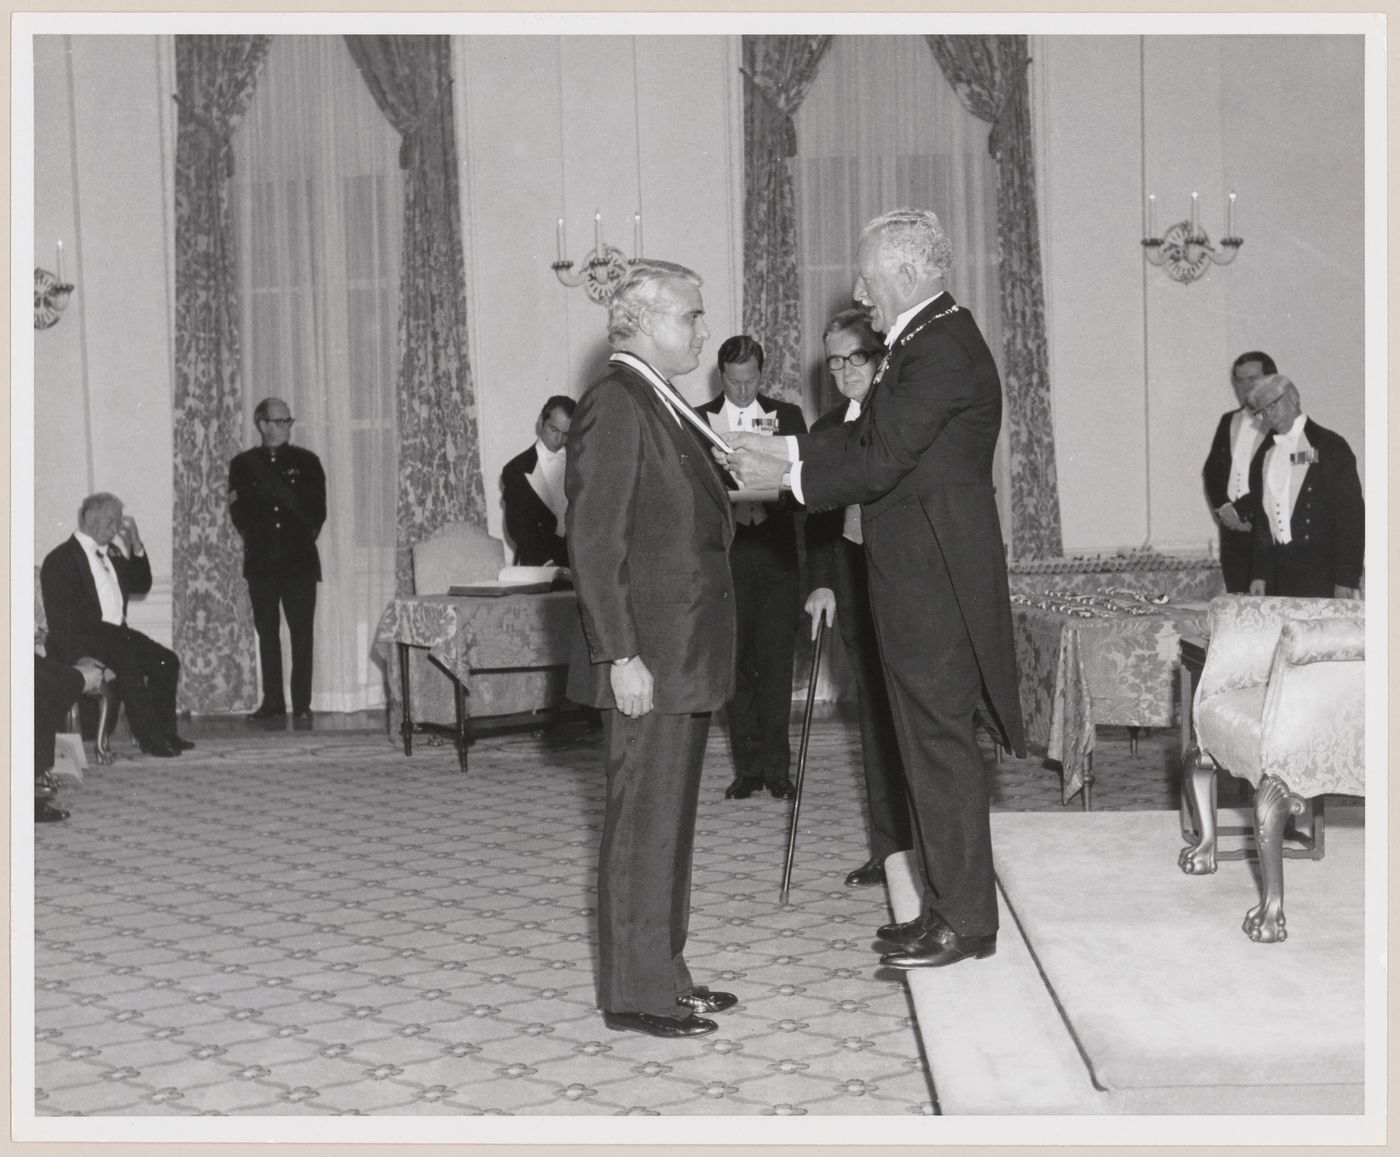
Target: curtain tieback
[(219, 140)]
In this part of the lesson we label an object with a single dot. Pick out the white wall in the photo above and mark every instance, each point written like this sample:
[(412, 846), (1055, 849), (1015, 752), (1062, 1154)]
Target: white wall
[(1140, 363)]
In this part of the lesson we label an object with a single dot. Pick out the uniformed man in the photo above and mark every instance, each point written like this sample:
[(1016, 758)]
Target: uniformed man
[(277, 497)]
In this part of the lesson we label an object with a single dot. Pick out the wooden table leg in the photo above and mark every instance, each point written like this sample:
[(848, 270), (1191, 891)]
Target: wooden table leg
[(406, 722), (459, 695), (1088, 781)]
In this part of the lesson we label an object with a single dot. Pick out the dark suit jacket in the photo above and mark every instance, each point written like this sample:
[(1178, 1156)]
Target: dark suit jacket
[(276, 541), (927, 434), (776, 530), (1216, 471), (1329, 518), (71, 605), (529, 522), (649, 527), (823, 531)]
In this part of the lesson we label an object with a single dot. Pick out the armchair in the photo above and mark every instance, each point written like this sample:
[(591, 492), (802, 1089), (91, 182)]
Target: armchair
[(458, 552), (1280, 703)]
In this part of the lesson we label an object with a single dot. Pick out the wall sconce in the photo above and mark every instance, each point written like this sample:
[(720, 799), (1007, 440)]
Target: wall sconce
[(1185, 251), (51, 296), (603, 268)]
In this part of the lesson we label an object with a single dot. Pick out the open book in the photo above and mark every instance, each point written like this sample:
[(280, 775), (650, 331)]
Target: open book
[(515, 580)]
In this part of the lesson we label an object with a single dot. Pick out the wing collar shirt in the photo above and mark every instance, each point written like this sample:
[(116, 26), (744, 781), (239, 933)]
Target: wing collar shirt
[(547, 480), (1248, 434), (1281, 479), (900, 324), (109, 591)]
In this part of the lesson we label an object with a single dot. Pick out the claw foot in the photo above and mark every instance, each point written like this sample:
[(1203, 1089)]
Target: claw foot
[(1197, 859), (1264, 924)]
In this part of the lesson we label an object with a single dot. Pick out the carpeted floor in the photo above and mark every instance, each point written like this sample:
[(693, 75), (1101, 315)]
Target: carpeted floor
[(308, 923)]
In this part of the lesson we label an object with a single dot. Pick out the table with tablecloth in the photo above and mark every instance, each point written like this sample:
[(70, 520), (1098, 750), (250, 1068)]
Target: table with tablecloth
[(490, 656), (1092, 659)]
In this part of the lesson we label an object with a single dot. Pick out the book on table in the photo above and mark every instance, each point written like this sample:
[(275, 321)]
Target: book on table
[(515, 580)]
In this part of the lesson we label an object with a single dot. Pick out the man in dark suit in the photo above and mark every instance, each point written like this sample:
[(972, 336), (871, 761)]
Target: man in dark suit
[(86, 582), (763, 561), (1226, 472), (841, 591), (277, 499), (919, 460), (1310, 525), (56, 686), (532, 490), (649, 523)]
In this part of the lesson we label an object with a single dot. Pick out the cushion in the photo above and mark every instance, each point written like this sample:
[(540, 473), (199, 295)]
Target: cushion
[(1229, 727)]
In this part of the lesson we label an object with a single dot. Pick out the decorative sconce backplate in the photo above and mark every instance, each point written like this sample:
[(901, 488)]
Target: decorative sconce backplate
[(50, 298)]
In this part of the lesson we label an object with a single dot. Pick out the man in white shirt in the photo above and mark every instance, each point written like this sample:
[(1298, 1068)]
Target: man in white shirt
[(532, 490), (86, 582), (763, 560), (1310, 529), (1226, 471)]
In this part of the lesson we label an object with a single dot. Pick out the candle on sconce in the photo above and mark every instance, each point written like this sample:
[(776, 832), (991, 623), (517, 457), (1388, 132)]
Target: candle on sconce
[(1195, 214), (1230, 216), (637, 234), (559, 238), (59, 261), (598, 233), (1151, 216)]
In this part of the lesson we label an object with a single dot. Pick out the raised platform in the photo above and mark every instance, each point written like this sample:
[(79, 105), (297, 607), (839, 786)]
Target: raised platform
[(1122, 985)]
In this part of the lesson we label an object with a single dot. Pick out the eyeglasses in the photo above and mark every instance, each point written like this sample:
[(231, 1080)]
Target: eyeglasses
[(285, 423), (1260, 411), (836, 362)]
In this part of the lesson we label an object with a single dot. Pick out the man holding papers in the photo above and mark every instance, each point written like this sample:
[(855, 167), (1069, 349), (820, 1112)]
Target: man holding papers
[(649, 526), (919, 461)]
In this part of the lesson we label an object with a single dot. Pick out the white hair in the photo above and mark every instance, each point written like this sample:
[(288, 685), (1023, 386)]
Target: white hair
[(639, 290), (914, 235)]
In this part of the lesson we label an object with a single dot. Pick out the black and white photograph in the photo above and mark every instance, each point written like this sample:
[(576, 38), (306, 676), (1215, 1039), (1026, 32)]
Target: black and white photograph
[(643, 579)]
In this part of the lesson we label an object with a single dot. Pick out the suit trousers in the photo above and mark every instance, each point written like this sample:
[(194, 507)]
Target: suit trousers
[(765, 608), (1236, 556), (935, 687), (296, 595), (148, 675), (653, 769), (56, 686), (1298, 570), (891, 829)]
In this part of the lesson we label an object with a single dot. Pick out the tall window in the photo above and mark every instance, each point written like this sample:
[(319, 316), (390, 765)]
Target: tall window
[(318, 205)]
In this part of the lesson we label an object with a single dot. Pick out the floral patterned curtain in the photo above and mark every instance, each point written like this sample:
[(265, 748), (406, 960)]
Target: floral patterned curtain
[(439, 452), (778, 71), (213, 624), (989, 75)]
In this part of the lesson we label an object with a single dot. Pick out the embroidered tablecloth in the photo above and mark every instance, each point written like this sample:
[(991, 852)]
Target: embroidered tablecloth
[(1079, 672), (474, 638)]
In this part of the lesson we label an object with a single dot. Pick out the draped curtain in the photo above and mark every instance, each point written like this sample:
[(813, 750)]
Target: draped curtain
[(212, 628), (989, 75), (439, 458), (318, 210), (778, 70)]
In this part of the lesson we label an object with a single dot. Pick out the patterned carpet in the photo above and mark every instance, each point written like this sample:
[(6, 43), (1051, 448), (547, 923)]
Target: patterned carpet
[(311, 924)]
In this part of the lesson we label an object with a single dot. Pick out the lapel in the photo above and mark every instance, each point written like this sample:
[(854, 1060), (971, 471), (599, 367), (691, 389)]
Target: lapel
[(86, 582), (693, 453), (940, 307)]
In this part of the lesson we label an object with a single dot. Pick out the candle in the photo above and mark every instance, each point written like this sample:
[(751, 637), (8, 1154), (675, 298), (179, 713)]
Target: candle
[(1152, 216), (60, 262), (1195, 213), (598, 233), (559, 237), (1230, 216), (637, 234)]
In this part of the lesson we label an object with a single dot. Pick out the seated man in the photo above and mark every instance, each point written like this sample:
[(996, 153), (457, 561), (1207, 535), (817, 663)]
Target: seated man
[(86, 582), (532, 489), (56, 686)]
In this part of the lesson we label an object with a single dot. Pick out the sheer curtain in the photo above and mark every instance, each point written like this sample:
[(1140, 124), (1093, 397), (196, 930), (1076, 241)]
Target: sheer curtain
[(881, 128), (318, 202)]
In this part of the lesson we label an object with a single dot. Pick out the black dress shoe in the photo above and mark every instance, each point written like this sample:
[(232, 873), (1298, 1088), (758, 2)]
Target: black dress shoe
[(159, 748), (701, 999), (178, 743), (268, 711), (910, 931), (782, 789), (869, 874), (47, 813), (939, 948), (663, 1026), (742, 788)]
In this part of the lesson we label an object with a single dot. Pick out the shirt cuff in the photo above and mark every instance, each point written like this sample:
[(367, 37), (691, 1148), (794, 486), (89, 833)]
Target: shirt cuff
[(795, 478), (791, 440)]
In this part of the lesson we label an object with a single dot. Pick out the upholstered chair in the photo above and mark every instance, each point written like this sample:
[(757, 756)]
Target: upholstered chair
[(1280, 703), (458, 552)]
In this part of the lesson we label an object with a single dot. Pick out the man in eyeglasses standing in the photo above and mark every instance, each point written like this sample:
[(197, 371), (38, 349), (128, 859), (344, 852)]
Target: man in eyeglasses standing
[(277, 498)]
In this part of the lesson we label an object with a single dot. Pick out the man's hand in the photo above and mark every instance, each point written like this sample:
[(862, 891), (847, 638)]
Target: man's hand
[(131, 536), (1342, 592), (1230, 519), (93, 673), (1257, 587), (632, 687), (821, 602), (757, 471)]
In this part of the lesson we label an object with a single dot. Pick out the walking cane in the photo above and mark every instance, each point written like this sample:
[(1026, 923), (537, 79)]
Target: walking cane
[(802, 756)]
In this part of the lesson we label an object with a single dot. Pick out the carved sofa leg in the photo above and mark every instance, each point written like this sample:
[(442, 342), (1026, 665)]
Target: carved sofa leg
[(1198, 795), (1273, 804)]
